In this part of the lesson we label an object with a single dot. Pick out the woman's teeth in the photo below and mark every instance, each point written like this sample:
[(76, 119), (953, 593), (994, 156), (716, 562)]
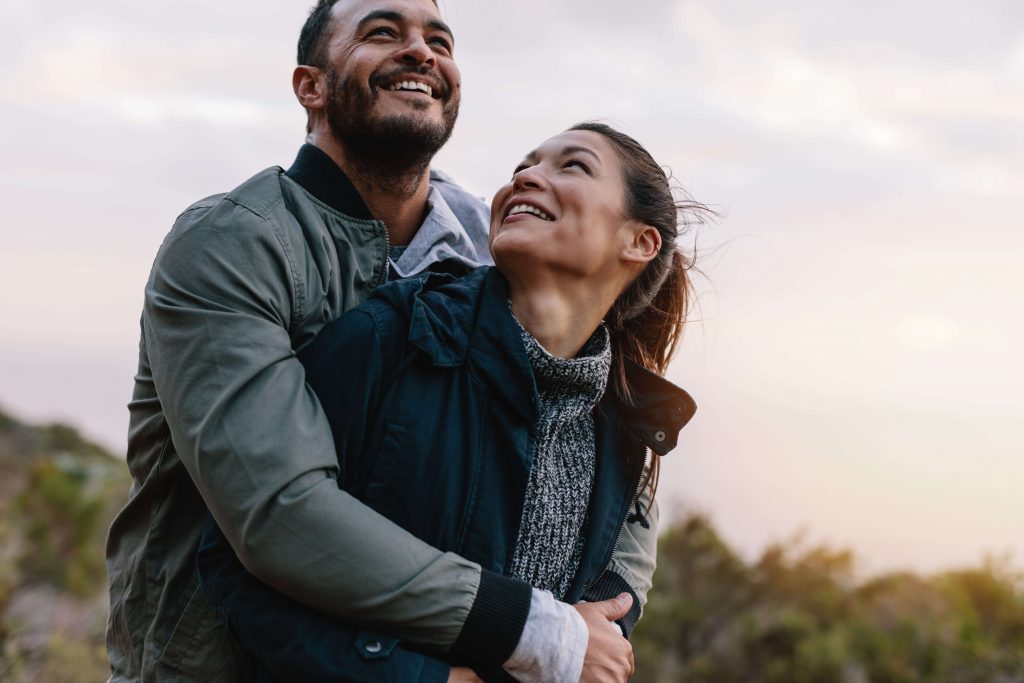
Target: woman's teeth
[(526, 208)]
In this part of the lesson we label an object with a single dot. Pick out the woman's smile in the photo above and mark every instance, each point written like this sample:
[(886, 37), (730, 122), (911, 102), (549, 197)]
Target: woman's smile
[(520, 208)]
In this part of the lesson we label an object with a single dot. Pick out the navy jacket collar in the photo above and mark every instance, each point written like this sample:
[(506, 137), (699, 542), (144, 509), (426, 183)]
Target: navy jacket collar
[(458, 320), (658, 409)]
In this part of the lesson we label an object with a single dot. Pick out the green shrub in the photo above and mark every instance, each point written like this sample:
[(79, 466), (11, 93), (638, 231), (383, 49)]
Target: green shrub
[(60, 520), (797, 615)]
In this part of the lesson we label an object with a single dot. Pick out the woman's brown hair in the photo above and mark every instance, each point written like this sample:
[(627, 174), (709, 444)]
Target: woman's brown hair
[(646, 321)]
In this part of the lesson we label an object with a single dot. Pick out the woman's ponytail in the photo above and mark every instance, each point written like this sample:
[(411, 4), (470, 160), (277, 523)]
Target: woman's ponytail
[(646, 321), (649, 334)]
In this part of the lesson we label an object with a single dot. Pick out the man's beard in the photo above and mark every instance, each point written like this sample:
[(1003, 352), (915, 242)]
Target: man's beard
[(391, 146)]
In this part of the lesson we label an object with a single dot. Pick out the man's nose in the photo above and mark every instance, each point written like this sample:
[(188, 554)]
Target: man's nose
[(416, 52)]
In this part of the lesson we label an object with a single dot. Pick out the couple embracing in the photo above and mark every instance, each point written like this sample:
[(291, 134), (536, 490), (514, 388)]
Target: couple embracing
[(382, 433)]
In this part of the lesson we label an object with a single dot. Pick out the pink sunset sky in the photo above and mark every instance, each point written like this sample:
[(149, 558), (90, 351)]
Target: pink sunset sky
[(859, 358)]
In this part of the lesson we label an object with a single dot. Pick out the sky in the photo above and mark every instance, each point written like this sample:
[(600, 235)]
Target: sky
[(856, 352)]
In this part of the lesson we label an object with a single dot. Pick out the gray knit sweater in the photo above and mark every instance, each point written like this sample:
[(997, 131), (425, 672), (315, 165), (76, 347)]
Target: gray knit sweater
[(550, 542)]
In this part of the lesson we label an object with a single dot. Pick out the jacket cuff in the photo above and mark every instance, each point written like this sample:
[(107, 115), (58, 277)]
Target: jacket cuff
[(495, 622), (609, 586)]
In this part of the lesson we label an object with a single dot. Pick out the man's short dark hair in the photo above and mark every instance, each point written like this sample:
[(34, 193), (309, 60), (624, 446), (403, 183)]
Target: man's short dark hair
[(314, 34)]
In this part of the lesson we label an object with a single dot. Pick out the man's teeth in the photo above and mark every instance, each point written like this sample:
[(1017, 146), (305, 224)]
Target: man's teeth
[(413, 85), (526, 208)]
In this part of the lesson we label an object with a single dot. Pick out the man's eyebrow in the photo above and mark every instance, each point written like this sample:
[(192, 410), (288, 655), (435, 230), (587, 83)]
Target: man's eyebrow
[(439, 25), (398, 17), (377, 14)]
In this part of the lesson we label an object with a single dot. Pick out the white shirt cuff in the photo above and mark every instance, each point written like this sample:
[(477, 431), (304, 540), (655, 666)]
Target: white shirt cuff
[(553, 644)]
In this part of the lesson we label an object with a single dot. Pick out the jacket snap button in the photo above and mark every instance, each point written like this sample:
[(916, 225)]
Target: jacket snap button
[(659, 436), (374, 647)]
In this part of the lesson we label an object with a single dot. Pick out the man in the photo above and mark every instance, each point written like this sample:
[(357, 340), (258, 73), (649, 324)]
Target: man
[(222, 419)]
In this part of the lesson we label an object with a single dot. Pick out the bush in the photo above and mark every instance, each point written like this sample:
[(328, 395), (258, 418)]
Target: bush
[(797, 615), (60, 520)]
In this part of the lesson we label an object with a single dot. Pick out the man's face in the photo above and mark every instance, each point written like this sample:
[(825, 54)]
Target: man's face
[(391, 76)]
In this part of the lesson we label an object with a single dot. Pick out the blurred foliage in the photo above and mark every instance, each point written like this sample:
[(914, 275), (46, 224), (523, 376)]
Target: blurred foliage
[(74, 660), (9, 657), (60, 517), (58, 494), (798, 615), (19, 441)]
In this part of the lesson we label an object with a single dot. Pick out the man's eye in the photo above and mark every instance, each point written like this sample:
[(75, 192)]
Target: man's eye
[(383, 31), (442, 43)]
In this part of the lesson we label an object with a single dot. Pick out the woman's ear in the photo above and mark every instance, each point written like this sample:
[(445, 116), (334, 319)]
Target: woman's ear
[(644, 244), (307, 82)]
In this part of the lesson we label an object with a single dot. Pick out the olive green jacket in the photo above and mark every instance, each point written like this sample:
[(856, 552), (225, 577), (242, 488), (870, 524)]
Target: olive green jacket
[(222, 420)]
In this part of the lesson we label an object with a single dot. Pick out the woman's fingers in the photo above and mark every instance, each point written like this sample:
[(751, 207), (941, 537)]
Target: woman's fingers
[(460, 674)]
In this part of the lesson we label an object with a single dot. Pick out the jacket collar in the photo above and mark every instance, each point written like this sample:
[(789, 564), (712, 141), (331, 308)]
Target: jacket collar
[(455, 321), (321, 177), (658, 409)]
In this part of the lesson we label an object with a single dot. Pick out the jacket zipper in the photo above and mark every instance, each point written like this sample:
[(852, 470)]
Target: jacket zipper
[(387, 257), (618, 536)]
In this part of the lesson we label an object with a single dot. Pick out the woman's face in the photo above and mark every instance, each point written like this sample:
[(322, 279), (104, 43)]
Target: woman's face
[(563, 210)]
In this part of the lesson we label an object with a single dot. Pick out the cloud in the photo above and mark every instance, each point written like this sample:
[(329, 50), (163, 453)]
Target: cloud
[(926, 333), (153, 110)]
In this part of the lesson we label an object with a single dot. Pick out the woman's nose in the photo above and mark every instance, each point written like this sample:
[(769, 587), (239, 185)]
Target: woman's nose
[(528, 179)]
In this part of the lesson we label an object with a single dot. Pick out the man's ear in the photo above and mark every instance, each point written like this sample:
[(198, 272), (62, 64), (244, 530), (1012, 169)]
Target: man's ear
[(643, 245), (308, 84)]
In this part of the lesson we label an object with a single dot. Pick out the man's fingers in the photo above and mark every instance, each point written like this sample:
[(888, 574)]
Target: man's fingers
[(609, 656)]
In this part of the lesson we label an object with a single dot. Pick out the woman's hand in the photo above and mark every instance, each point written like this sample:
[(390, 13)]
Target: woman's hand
[(609, 655), (460, 674)]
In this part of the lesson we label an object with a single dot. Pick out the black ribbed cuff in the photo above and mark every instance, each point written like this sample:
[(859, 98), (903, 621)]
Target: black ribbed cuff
[(609, 586), (495, 622)]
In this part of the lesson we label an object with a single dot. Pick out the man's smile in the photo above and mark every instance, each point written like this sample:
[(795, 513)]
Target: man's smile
[(412, 86), (403, 81)]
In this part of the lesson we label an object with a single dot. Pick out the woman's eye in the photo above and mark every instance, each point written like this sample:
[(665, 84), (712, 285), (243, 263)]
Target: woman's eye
[(578, 164), (520, 167)]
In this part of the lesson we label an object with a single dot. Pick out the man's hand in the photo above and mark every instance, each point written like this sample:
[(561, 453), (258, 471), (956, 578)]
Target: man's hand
[(460, 674), (609, 655)]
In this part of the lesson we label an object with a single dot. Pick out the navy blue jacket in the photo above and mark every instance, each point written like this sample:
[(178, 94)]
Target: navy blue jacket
[(432, 403)]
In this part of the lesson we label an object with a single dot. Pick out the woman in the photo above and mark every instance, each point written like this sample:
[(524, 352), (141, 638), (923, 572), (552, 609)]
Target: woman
[(506, 415)]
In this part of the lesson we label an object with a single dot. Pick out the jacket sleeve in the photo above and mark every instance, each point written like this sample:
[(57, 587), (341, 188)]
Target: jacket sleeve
[(631, 569), (295, 643), (220, 301)]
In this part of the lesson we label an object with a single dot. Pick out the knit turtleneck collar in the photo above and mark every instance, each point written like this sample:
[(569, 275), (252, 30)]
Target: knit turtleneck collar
[(584, 376)]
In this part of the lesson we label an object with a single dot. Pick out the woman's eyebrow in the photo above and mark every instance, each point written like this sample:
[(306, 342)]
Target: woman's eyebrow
[(574, 149)]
